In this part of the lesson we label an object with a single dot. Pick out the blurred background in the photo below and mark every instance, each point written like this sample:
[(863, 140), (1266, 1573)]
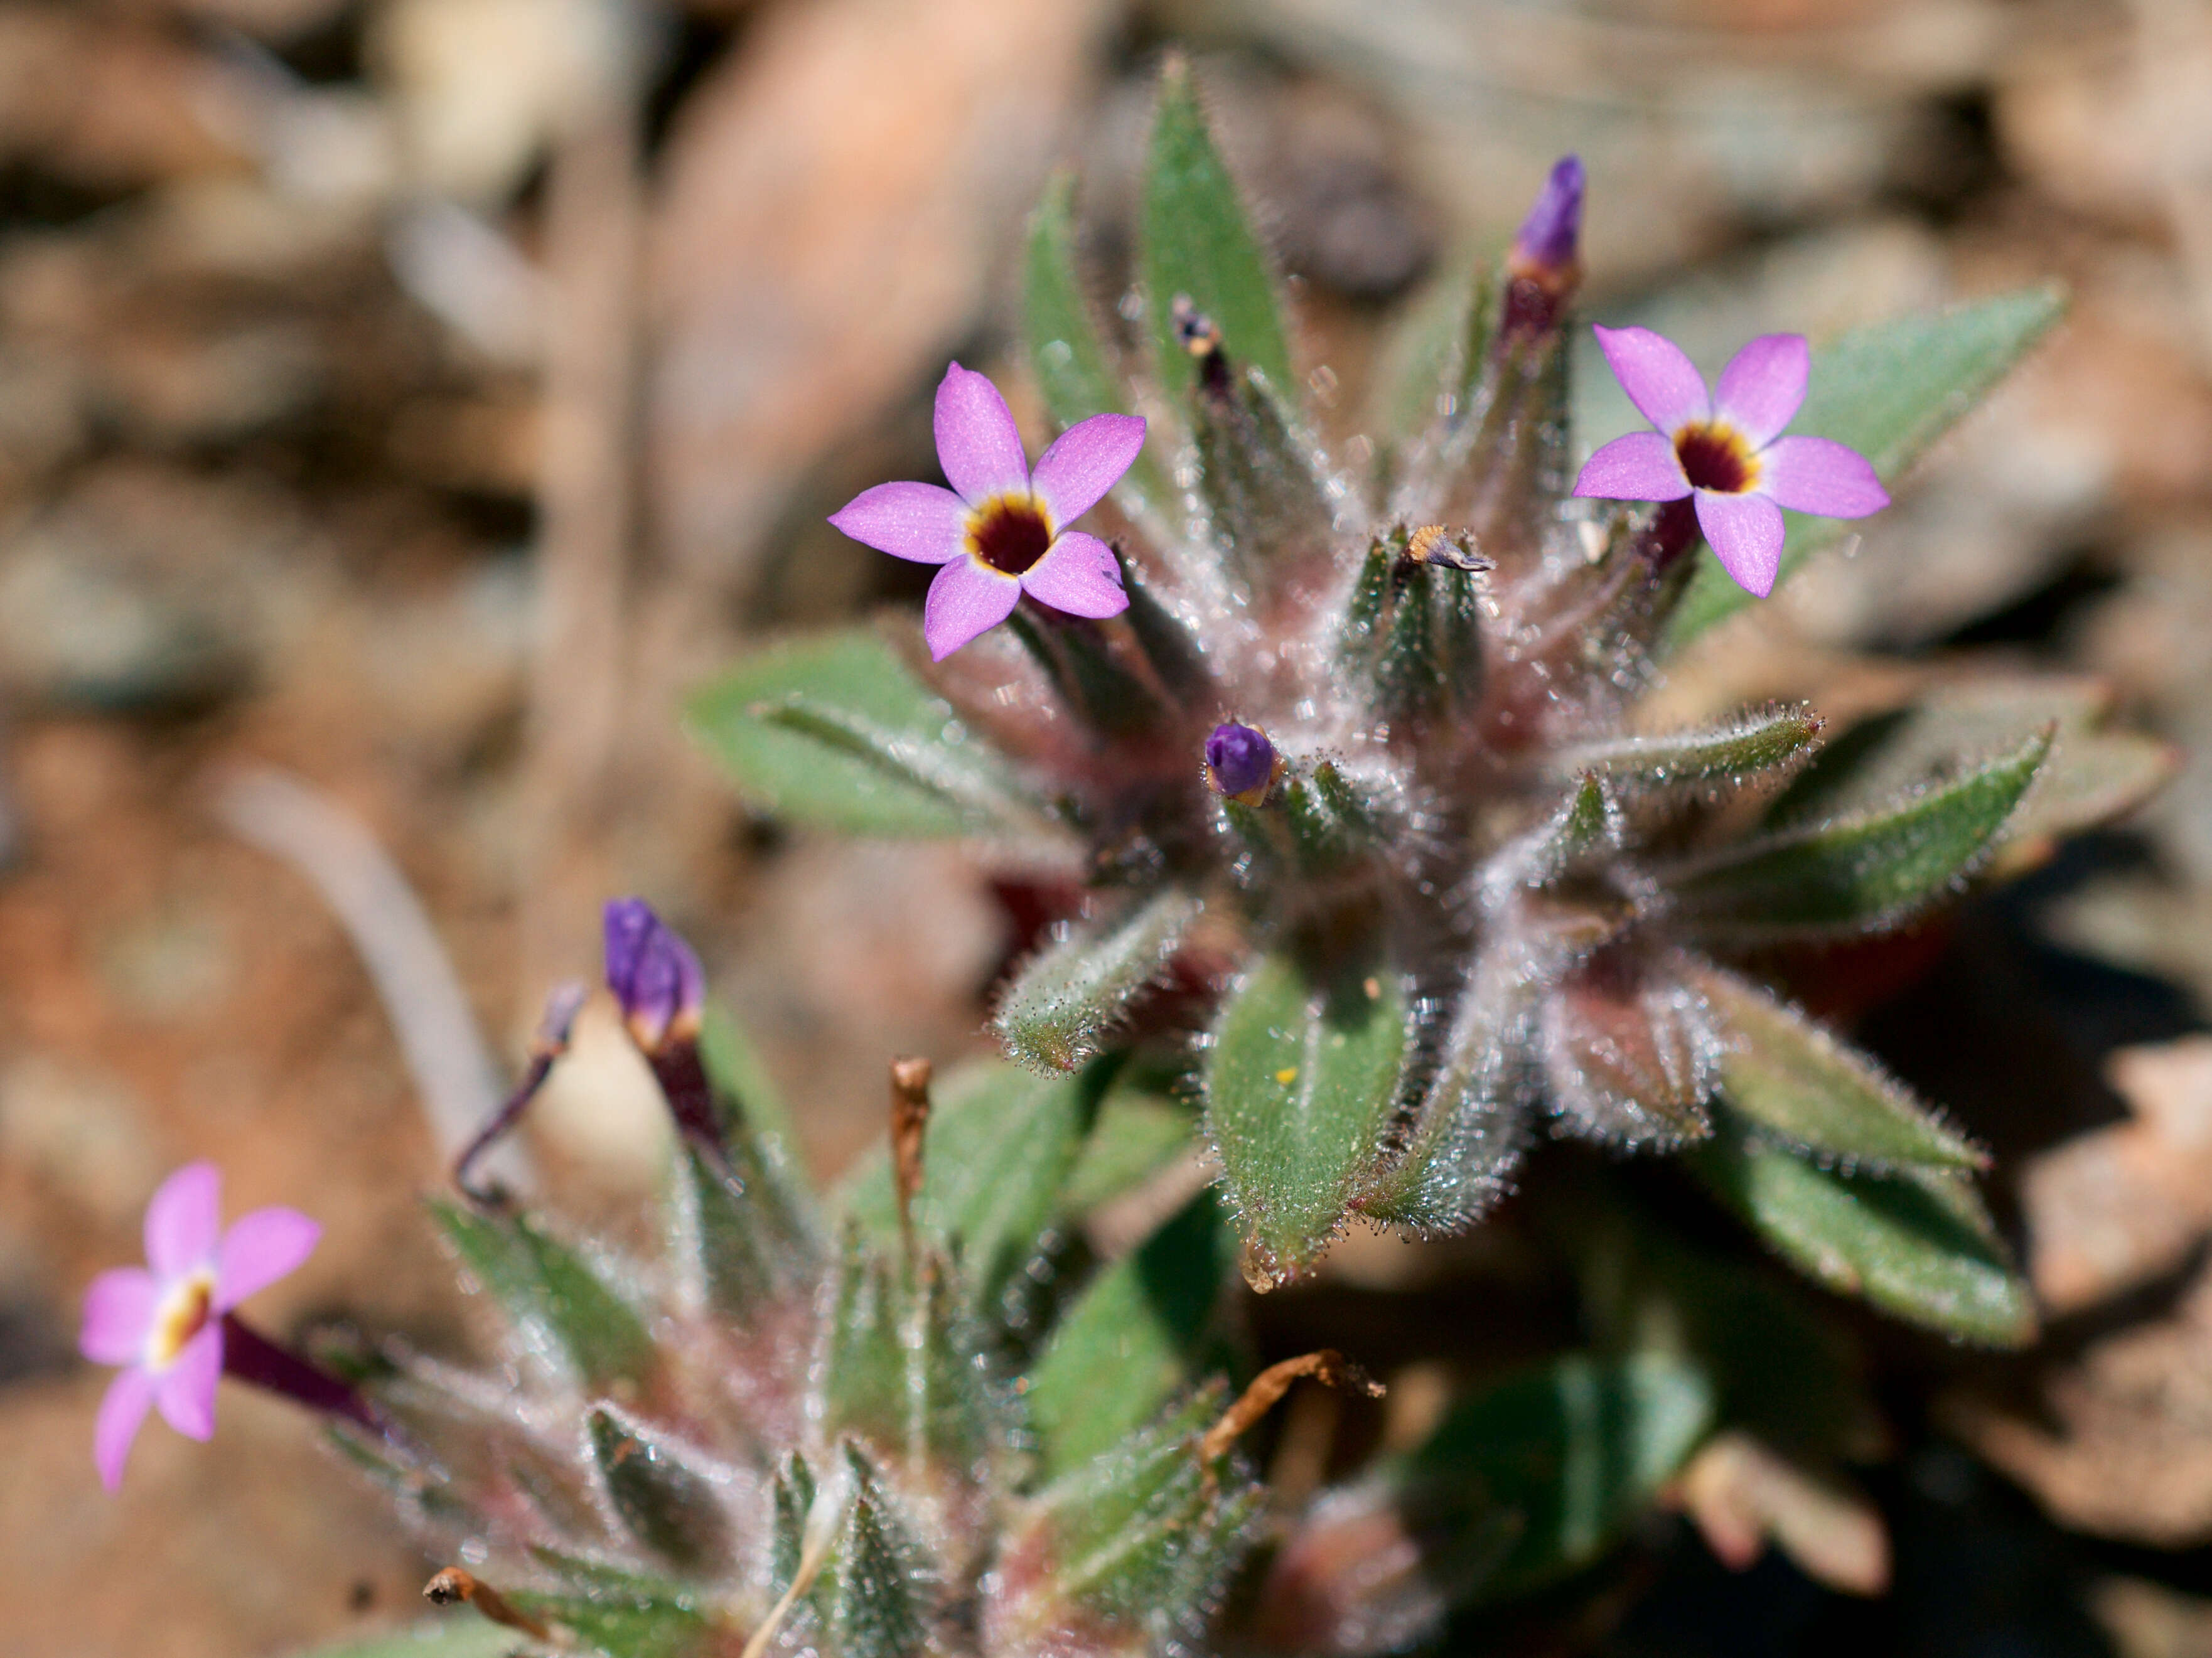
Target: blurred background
[(404, 402)]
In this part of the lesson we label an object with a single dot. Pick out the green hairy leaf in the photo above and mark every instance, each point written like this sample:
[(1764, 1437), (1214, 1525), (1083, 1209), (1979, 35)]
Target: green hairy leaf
[(551, 1292), (1916, 1244), (1195, 241), (669, 1506), (1857, 873), (1804, 1087), (1888, 391), (1300, 1084), (1000, 1146), (1133, 1339), (1729, 753), (1067, 995), (1566, 1454), (832, 730), (2092, 775), (876, 1605)]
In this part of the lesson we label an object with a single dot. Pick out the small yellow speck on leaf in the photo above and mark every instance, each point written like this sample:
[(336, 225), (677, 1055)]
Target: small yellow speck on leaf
[(1287, 1075)]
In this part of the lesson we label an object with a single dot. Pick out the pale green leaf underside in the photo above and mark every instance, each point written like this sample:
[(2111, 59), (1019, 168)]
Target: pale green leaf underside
[(832, 730), (1888, 391), (1917, 1244), (1858, 872), (1799, 1082)]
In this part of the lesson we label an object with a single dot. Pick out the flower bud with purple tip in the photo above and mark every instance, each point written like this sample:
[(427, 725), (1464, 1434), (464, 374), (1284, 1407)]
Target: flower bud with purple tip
[(1240, 764), (658, 982), (656, 977), (1548, 250)]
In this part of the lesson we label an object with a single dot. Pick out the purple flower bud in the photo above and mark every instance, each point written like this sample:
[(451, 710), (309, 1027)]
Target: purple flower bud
[(653, 975), (1240, 762), (1546, 249)]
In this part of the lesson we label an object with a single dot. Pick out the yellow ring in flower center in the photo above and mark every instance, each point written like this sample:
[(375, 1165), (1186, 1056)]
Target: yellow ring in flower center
[(182, 1315), (1010, 533), (1716, 457)]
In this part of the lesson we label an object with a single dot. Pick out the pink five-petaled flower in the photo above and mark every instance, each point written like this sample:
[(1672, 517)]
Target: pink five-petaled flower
[(164, 1327), (1726, 448), (1003, 533)]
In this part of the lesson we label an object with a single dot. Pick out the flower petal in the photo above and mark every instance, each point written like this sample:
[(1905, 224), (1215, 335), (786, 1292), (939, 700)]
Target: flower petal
[(122, 1412), (1078, 574), (258, 1250), (1818, 475), (925, 522), (1744, 532), (966, 599), (186, 1391), (1642, 466), (1084, 462), (977, 443), (1764, 385), (119, 1311), (1660, 380), (184, 1220)]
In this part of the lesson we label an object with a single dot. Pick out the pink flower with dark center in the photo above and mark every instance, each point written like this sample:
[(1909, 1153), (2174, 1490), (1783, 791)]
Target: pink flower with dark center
[(165, 1326), (1000, 531), (1726, 448)]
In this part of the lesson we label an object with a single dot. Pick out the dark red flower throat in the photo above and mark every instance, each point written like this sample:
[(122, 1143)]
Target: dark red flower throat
[(1715, 457), (1009, 534)]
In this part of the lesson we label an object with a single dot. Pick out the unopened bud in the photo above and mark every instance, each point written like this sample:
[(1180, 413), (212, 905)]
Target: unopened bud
[(1548, 251), (1240, 764), (656, 977)]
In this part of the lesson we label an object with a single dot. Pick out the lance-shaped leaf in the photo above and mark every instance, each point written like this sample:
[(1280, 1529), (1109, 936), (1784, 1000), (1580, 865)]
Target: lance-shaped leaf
[(1195, 242), (729, 1232), (1857, 873), (1804, 1088), (861, 1374), (877, 1596), (1300, 1086), (1916, 1243), (1065, 998), (662, 1499), (1067, 352), (791, 1498), (1092, 671), (999, 1147), (557, 1298), (1584, 825), (1735, 752), (2092, 774), (620, 1615), (1137, 1336), (833, 731), (1888, 391), (1566, 1455), (1141, 1537)]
